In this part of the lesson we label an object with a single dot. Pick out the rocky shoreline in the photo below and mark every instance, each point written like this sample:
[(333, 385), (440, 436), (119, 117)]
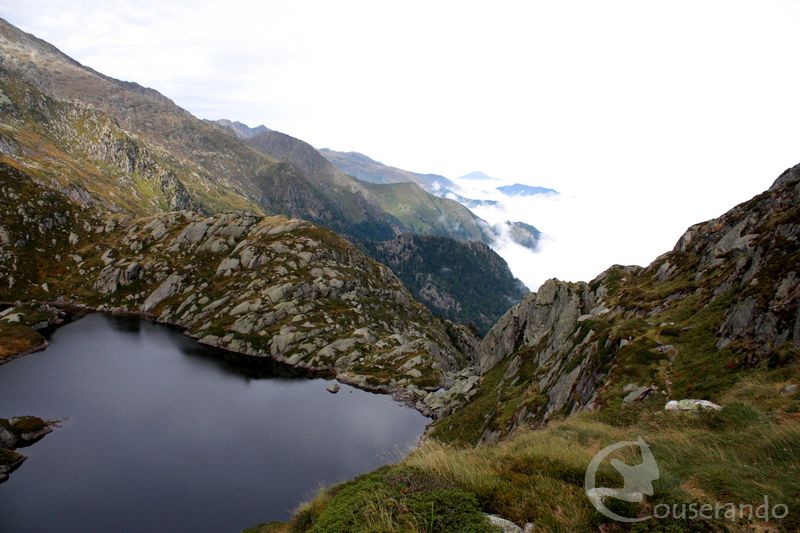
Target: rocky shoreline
[(21, 328), (16, 355), (19, 432), (432, 402)]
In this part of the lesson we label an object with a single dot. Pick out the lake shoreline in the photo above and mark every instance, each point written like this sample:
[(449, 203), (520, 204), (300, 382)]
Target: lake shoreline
[(71, 311)]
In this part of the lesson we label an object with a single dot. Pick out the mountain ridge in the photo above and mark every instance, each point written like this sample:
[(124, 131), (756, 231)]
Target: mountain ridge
[(243, 131), (520, 189), (365, 168), (385, 178), (106, 142)]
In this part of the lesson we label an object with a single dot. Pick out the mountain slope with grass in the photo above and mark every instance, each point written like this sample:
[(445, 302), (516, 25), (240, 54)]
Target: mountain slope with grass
[(118, 146), (442, 212), (476, 288), (367, 169), (121, 145), (407, 207), (576, 367)]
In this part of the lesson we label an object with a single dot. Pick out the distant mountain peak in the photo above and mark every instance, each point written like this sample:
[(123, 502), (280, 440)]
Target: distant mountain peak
[(355, 156), (520, 189), (477, 176), (243, 131)]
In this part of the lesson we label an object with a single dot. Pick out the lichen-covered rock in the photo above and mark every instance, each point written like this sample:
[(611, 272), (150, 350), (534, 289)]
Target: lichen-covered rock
[(167, 289)]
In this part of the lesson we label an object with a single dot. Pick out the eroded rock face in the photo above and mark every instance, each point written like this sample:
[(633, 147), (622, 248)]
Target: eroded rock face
[(553, 312)]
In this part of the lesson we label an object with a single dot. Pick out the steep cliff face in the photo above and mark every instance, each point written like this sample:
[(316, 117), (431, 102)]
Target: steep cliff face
[(721, 307), (549, 315), (264, 286)]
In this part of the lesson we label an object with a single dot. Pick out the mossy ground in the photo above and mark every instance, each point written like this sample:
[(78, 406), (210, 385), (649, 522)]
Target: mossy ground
[(16, 339), (398, 498)]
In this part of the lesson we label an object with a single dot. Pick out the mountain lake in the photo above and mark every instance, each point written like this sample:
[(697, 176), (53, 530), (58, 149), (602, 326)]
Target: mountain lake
[(160, 433)]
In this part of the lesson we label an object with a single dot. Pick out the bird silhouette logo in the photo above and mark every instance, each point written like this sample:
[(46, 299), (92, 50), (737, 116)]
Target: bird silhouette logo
[(638, 479)]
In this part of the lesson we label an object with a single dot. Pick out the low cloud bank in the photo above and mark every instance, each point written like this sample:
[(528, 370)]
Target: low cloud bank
[(583, 233)]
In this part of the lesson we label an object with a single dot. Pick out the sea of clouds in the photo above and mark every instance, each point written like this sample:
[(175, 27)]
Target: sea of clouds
[(583, 232)]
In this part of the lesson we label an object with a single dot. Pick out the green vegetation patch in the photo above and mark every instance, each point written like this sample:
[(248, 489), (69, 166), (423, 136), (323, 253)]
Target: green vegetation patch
[(17, 338), (391, 499), (736, 455)]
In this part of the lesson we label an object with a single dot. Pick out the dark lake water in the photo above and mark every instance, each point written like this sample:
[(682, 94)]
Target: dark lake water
[(165, 435)]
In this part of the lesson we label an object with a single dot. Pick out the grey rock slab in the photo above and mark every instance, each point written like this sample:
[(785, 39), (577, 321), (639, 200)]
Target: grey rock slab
[(168, 288)]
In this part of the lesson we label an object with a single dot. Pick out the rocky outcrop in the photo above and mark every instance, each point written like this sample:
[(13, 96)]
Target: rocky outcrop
[(550, 314), (16, 433), (21, 328)]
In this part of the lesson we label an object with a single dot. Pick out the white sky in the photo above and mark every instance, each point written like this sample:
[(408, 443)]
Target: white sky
[(649, 115)]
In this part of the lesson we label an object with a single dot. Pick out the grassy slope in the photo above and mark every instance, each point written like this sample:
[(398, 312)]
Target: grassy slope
[(421, 212), (70, 146), (736, 455)]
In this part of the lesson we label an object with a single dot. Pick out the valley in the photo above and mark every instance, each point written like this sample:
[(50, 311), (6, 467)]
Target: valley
[(229, 328)]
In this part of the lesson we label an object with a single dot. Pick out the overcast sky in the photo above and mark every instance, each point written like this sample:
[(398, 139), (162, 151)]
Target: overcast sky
[(655, 115)]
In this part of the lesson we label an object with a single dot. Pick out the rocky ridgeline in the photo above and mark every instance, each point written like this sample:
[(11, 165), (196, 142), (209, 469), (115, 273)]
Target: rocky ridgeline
[(550, 331), (754, 248), (722, 303), (264, 286), (85, 154)]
